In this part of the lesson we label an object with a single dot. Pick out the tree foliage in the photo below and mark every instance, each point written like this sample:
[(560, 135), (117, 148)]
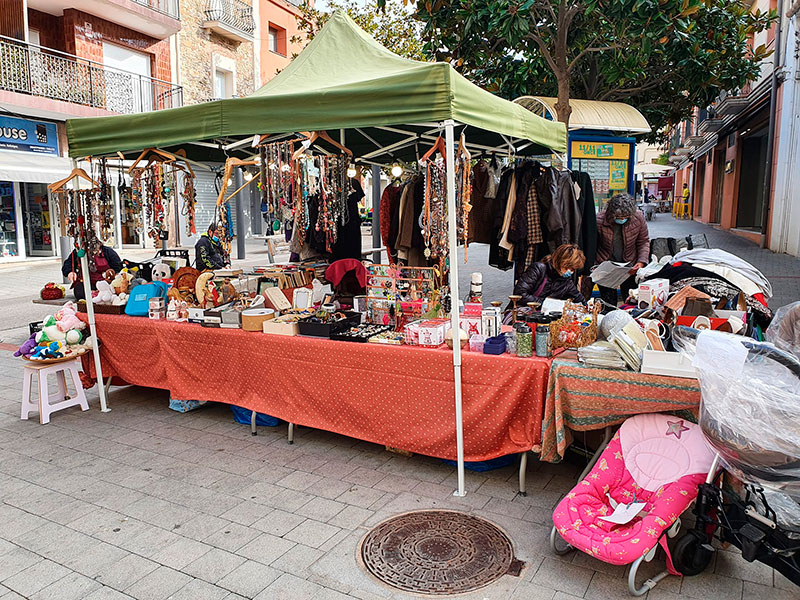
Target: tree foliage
[(662, 56), (393, 26)]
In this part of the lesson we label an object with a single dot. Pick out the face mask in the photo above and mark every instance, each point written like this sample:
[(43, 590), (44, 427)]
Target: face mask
[(621, 221), (566, 274), (215, 238)]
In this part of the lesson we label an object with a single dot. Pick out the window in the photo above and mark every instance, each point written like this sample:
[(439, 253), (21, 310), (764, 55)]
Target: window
[(34, 38), (223, 83), (276, 39)]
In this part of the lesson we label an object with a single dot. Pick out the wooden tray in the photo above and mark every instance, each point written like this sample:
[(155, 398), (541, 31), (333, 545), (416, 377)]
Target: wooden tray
[(103, 309)]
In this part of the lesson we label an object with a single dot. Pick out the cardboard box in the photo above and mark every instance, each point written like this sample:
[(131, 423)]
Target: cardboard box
[(278, 326), (673, 364), (471, 323), (653, 293)]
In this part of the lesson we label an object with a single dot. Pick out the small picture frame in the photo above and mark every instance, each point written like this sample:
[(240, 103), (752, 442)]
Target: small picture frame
[(301, 298), (327, 299)]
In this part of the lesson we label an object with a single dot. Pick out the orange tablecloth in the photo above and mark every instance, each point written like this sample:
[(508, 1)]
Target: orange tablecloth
[(401, 396)]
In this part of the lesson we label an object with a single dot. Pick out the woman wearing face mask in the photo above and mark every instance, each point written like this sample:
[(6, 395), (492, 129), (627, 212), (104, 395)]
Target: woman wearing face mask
[(208, 251), (622, 236), (552, 277)]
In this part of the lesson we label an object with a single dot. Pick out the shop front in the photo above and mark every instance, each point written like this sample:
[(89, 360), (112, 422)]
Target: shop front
[(607, 160), (29, 160)]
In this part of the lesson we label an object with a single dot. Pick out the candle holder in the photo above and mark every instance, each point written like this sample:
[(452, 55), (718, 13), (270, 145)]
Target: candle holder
[(514, 299)]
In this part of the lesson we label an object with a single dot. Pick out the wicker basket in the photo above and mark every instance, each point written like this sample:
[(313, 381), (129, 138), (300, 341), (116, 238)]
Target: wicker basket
[(566, 333)]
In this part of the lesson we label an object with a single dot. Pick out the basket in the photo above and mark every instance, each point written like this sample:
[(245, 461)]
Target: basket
[(567, 333), (52, 361)]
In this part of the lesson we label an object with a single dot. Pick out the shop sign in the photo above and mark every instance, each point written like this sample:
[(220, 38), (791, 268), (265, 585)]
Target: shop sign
[(600, 150), (618, 175), (28, 136)]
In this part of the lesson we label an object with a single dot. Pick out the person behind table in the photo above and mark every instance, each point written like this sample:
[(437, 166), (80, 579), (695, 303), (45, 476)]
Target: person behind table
[(101, 258), (553, 277), (208, 251), (622, 236)]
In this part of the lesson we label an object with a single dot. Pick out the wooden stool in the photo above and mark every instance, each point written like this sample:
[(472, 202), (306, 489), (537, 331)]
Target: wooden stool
[(50, 403)]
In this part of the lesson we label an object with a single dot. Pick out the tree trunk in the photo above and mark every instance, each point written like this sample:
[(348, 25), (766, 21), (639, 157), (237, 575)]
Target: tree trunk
[(563, 109)]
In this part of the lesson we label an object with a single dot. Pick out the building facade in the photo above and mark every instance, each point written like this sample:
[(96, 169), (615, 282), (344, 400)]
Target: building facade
[(58, 62), (216, 49), (279, 37), (722, 153)]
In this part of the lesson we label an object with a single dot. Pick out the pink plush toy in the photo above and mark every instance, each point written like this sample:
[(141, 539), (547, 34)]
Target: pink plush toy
[(67, 318)]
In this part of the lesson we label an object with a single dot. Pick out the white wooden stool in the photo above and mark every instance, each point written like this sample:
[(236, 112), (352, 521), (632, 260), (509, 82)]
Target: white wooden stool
[(49, 403)]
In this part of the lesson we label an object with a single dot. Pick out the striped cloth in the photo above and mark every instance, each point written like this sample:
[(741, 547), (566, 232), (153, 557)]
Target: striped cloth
[(582, 398)]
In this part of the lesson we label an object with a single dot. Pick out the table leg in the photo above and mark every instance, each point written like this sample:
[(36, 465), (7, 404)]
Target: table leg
[(253, 415), (107, 385), (609, 433), (290, 434), (523, 469)]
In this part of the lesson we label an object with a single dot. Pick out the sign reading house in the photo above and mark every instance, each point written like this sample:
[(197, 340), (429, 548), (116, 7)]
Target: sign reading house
[(25, 135)]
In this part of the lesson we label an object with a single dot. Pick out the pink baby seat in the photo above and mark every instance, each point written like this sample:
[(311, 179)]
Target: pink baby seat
[(655, 459)]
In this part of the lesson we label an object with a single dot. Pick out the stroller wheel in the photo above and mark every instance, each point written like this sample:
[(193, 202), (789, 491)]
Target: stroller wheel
[(692, 555), (558, 544)]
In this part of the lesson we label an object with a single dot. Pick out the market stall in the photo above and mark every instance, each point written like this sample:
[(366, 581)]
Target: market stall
[(387, 109)]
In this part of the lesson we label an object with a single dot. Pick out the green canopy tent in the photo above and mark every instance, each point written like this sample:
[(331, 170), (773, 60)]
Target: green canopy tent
[(387, 108)]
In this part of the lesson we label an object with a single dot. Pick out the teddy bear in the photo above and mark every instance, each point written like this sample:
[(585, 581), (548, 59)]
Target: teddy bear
[(122, 282), (161, 271), (105, 293)]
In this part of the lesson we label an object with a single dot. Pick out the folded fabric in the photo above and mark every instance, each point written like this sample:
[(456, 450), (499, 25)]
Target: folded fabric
[(720, 258)]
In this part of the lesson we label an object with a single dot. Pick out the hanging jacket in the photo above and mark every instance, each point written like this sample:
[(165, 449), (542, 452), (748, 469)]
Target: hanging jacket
[(542, 281), (588, 237), (498, 256)]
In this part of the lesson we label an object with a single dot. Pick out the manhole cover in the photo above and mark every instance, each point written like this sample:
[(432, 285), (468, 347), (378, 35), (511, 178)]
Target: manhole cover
[(437, 552)]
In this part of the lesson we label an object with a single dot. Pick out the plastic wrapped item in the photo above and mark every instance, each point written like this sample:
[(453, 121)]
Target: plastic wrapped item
[(750, 408), (784, 330), (476, 343), (612, 323)]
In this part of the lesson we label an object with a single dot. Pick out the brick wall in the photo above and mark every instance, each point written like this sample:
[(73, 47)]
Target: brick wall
[(50, 28), (198, 49), (84, 35)]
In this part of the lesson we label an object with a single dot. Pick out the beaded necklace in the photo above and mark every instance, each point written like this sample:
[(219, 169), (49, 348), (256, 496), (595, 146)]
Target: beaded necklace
[(434, 224)]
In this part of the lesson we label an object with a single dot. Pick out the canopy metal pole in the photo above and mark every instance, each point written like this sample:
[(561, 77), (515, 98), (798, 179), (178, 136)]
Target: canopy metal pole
[(240, 228), (376, 213), (454, 320)]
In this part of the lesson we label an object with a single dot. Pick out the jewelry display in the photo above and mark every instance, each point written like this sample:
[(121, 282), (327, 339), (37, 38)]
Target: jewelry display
[(397, 295)]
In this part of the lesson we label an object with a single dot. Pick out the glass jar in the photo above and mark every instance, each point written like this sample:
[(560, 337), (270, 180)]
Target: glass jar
[(524, 340), (543, 338)]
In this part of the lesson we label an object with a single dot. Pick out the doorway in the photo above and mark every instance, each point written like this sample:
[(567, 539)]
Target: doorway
[(36, 219), (753, 161), (699, 186), (719, 180)]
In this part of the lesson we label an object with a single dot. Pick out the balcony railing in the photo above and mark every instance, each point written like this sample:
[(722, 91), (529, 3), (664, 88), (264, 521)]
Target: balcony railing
[(233, 13), (30, 69), (170, 8)]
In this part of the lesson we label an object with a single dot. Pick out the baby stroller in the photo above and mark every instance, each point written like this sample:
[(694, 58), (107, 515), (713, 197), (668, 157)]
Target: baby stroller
[(750, 415)]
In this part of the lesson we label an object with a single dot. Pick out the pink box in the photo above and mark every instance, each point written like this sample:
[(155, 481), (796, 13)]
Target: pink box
[(472, 324), (432, 332)]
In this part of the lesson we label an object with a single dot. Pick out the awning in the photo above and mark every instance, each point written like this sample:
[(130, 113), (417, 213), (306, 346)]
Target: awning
[(590, 114), (33, 168), (343, 79), (651, 169)]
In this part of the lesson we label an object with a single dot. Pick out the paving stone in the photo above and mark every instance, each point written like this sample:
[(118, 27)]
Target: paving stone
[(289, 500), (232, 537), (298, 480), (249, 578), (92, 560), (71, 587), (201, 527), (124, 573), (180, 553), (360, 496), (158, 585), (328, 488), (321, 509), (563, 577), (16, 560), (246, 513), (278, 522), (265, 548), (350, 517), (197, 589), (312, 533), (297, 560), (712, 587), (36, 577), (531, 591), (289, 586), (755, 591), (731, 564), (213, 565)]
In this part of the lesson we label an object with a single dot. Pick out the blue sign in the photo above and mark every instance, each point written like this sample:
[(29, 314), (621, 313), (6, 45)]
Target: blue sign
[(28, 136)]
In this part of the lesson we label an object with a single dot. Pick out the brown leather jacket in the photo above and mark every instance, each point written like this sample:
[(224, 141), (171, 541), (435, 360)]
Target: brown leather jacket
[(635, 237)]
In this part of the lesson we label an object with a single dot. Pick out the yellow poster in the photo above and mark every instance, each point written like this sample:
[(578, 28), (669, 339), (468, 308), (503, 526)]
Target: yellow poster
[(618, 175), (600, 150)]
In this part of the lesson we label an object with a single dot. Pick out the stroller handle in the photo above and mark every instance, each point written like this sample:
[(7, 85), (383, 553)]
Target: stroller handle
[(779, 356)]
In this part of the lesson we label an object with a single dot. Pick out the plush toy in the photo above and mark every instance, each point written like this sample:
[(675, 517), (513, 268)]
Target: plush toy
[(67, 318), (74, 337), (50, 332), (51, 350), (161, 271), (109, 275), (27, 348), (105, 293), (122, 282)]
